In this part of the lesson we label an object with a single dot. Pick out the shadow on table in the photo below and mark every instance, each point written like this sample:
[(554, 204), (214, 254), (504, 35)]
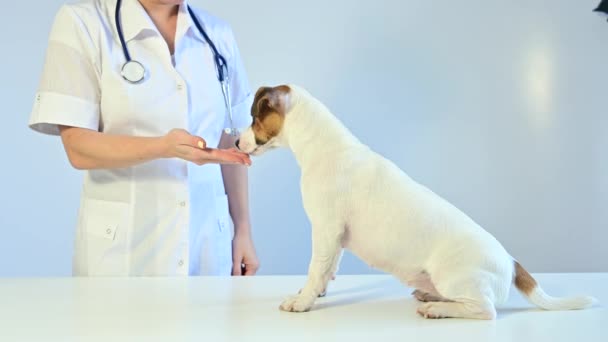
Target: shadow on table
[(381, 285), (506, 312), (363, 293), (397, 292)]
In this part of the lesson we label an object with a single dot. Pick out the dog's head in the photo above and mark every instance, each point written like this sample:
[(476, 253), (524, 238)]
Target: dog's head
[(269, 109)]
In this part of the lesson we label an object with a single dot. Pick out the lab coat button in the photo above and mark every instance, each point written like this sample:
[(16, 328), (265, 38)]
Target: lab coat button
[(182, 204), (181, 263), (109, 231)]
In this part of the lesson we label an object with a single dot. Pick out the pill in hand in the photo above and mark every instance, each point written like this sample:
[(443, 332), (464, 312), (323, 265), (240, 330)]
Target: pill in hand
[(201, 144)]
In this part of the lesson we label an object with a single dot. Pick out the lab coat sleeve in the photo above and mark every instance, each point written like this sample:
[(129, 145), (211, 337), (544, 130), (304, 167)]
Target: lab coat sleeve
[(242, 96), (68, 93)]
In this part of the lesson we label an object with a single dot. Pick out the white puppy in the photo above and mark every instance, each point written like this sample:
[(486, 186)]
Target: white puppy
[(357, 199)]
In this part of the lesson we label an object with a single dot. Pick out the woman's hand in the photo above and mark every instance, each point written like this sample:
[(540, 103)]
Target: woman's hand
[(178, 143), (244, 259)]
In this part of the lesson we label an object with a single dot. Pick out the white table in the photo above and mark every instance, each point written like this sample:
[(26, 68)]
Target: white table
[(357, 308)]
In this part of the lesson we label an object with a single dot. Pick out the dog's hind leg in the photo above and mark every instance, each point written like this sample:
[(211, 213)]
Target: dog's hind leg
[(326, 252), (428, 297), (465, 308), (424, 291), (470, 296)]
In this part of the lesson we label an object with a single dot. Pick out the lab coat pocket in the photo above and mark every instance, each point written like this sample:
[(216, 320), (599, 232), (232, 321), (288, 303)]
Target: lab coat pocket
[(104, 218)]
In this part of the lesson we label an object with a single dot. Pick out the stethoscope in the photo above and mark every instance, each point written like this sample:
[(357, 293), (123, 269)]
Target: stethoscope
[(134, 72)]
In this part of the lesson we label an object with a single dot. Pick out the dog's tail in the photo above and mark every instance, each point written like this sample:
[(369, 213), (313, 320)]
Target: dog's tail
[(531, 290)]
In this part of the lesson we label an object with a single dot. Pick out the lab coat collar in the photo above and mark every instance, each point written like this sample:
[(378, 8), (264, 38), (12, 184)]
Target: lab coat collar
[(135, 20), (186, 25)]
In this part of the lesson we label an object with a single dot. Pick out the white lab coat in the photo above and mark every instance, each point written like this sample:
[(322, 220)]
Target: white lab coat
[(165, 217)]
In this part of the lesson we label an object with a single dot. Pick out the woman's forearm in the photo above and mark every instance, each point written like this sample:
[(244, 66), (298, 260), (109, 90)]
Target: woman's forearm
[(87, 149), (236, 185)]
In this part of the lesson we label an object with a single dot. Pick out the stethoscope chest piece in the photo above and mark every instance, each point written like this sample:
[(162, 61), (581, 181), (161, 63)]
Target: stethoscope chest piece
[(133, 72)]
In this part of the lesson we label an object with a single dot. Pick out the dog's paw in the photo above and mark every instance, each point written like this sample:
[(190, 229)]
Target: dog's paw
[(296, 304), (431, 310), (322, 294)]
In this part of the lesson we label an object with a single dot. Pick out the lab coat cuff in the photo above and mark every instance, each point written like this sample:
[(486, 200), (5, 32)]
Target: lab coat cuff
[(52, 110)]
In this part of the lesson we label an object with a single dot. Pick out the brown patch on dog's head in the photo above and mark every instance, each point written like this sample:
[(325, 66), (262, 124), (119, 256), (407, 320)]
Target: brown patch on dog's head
[(270, 105)]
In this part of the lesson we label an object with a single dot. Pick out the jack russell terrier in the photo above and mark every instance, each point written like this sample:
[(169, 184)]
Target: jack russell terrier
[(358, 200)]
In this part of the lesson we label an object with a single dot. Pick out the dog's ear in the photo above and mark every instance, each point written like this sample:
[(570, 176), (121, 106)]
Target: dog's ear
[(261, 91), (264, 105), (271, 100)]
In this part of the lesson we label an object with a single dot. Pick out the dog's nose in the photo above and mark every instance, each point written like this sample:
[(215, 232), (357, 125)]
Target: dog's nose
[(236, 143)]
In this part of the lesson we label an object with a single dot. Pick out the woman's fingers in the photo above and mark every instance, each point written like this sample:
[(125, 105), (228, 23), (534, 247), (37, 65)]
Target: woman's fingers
[(200, 142), (212, 155), (246, 158), (229, 156), (236, 150), (195, 141), (218, 156), (185, 138)]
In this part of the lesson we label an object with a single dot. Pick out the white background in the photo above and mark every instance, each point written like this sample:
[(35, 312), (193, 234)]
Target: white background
[(498, 106)]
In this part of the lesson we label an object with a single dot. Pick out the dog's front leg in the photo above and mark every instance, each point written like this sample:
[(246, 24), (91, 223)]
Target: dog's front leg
[(334, 272), (326, 252)]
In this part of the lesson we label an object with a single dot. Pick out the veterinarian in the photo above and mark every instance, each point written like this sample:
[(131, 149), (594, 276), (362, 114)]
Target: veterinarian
[(147, 97)]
